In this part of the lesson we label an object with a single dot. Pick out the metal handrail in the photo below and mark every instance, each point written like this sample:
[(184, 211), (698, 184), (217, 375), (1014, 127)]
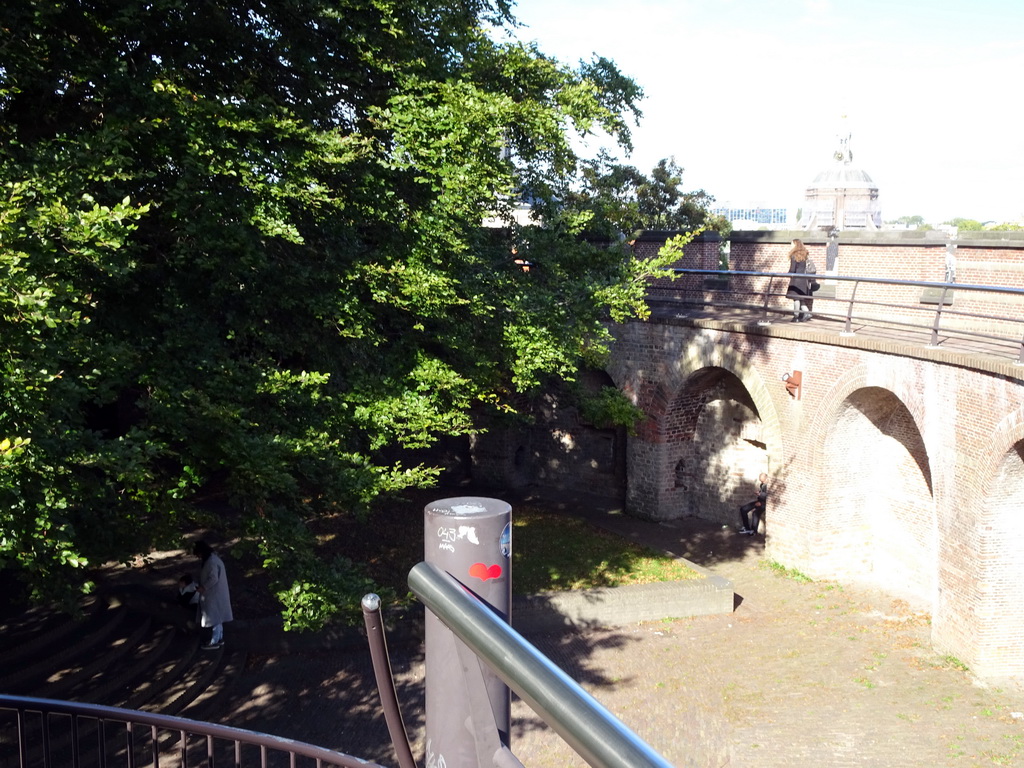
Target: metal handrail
[(586, 726), (385, 680), (178, 728), (933, 328)]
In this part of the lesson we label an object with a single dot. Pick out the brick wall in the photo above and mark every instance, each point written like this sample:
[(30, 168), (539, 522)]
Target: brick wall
[(549, 445), (702, 253), (901, 473)]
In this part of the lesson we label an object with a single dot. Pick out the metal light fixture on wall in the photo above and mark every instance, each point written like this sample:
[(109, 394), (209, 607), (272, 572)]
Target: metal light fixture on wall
[(793, 381)]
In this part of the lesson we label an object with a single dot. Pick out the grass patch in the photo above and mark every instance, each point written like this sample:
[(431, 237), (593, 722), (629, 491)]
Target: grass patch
[(789, 573), (551, 550), (952, 662), (556, 552)]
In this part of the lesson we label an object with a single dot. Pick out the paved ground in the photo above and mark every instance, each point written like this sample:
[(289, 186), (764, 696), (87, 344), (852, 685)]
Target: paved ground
[(801, 674)]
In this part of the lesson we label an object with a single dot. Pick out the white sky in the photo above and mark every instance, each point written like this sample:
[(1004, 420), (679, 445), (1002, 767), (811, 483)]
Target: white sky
[(749, 95)]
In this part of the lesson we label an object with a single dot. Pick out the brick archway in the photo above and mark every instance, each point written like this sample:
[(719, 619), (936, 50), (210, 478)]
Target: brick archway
[(990, 537), (661, 472), (862, 377), (878, 522), (704, 356), (882, 509), (935, 507), (714, 439)]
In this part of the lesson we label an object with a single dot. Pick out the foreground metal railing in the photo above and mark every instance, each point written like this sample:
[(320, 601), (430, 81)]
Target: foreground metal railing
[(586, 726), (47, 732), (474, 658), (937, 318), (50, 733)]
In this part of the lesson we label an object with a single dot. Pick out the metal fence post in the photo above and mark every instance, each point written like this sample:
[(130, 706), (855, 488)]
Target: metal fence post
[(468, 707)]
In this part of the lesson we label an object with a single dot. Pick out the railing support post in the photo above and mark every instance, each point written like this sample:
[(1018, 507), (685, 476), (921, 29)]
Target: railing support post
[(938, 318), (385, 681), (22, 739), (468, 707), (591, 730), (767, 297), (848, 328)]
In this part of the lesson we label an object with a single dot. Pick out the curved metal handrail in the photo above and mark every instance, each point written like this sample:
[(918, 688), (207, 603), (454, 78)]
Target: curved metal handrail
[(760, 299), (180, 727), (592, 731)]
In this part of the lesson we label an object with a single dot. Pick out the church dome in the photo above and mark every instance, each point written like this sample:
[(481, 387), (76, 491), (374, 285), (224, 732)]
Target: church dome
[(843, 176), (842, 196)]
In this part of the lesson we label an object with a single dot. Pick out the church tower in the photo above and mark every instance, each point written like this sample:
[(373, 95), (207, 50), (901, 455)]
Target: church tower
[(842, 197)]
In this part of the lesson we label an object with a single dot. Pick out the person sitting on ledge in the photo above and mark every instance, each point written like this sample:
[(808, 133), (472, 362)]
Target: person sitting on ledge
[(754, 508)]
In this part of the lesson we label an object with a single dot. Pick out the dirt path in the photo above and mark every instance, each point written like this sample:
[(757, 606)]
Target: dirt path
[(801, 674)]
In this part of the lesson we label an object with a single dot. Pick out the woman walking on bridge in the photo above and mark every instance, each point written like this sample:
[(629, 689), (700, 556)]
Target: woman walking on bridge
[(799, 289)]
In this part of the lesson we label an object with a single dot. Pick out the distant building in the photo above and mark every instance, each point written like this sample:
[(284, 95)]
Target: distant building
[(755, 217), (842, 197)]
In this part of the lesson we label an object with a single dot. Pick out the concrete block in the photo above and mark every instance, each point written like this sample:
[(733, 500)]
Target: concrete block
[(618, 606)]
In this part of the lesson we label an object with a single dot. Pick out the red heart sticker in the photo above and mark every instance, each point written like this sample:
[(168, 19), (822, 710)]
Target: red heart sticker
[(483, 572)]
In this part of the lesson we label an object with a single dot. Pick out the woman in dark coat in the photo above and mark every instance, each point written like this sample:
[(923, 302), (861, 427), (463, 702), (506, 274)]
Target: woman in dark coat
[(799, 289)]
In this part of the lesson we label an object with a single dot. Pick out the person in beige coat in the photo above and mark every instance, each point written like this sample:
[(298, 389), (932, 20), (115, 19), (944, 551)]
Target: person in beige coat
[(214, 595)]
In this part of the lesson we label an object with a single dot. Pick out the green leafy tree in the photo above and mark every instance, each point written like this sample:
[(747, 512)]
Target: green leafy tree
[(620, 200), (967, 225), (241, 255), (663, 204), (910, 221)]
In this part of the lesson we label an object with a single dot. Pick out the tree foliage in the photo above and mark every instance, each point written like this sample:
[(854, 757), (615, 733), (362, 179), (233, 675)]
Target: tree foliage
[(240, 251), (967, 225), (910, 221), (616, 199), (972, 225)]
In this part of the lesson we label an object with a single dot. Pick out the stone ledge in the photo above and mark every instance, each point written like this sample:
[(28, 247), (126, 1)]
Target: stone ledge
[(617, 606), (570, 610)]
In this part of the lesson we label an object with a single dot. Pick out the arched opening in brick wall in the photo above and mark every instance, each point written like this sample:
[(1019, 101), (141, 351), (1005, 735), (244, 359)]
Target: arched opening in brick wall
[(876, 496), (716, 449), (1001, 563)]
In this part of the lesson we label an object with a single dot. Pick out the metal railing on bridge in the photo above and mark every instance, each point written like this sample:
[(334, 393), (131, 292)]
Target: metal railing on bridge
[(982, 319)]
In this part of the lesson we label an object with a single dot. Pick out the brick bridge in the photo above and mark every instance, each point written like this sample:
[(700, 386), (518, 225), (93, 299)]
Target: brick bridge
[(896, 465)]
